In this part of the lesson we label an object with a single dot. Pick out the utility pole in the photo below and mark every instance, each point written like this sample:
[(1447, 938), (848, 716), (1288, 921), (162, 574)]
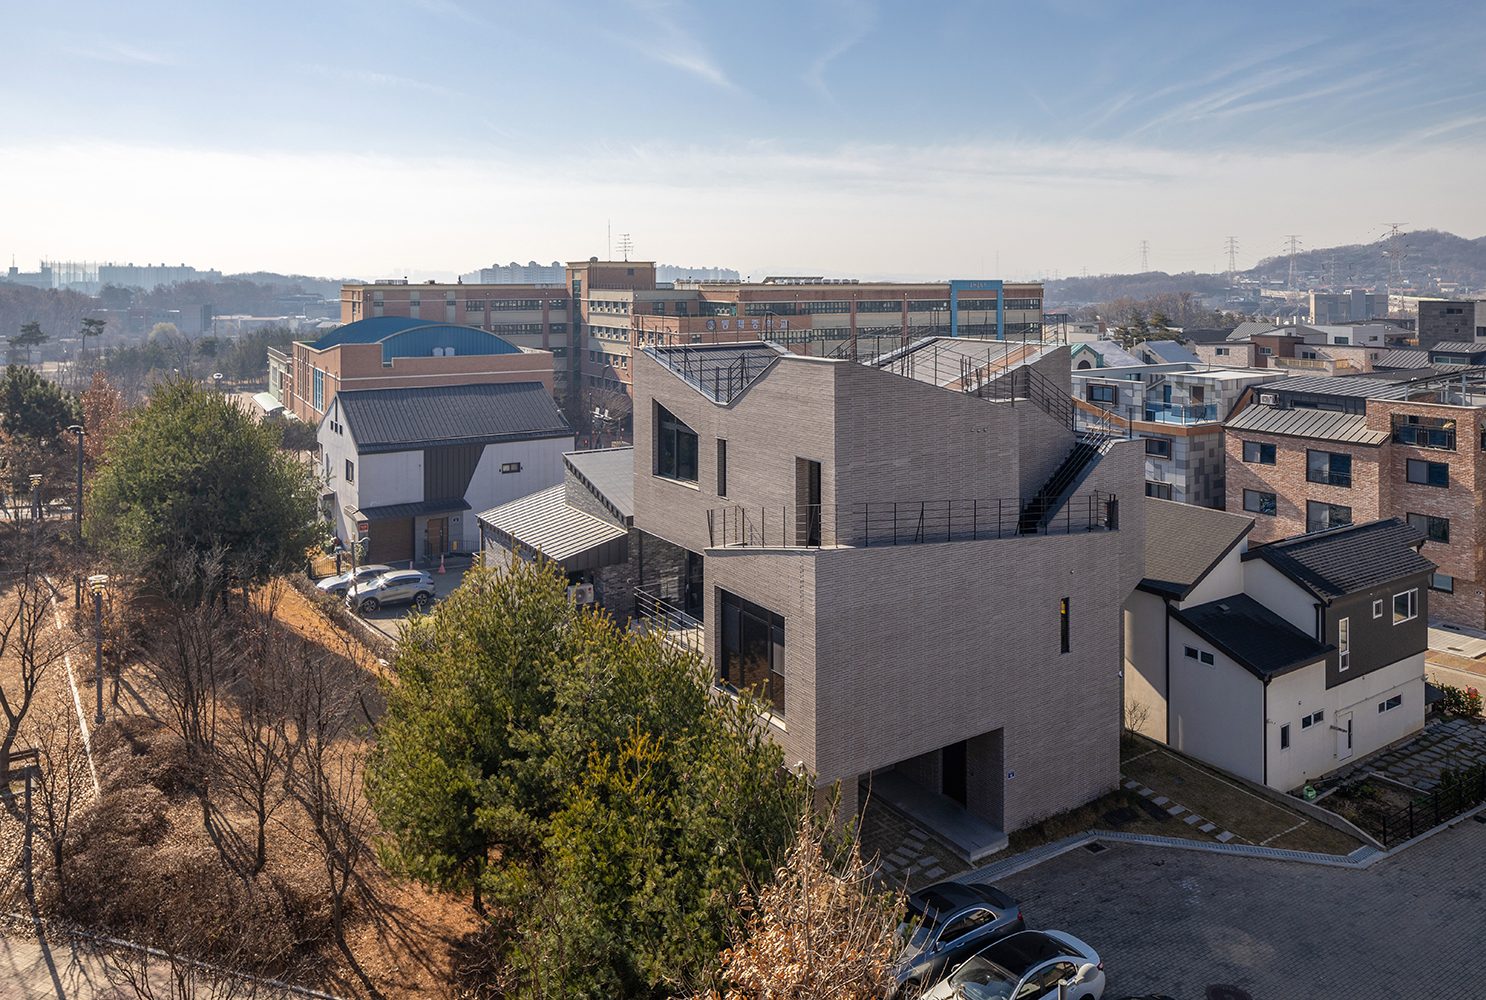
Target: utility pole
[(1145, 256)]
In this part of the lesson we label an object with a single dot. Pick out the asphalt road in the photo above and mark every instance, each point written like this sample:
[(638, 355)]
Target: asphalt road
[(1177, 922)]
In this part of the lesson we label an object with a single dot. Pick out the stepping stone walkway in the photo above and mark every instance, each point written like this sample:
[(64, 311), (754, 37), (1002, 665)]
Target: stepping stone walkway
[(1456, 744), (1176, 809), (905, 859)]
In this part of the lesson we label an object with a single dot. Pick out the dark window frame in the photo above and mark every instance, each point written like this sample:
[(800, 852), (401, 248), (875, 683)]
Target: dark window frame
[(1161, 449), (1326, 468), (1429, 473), (1273, 504), (1259, 450), (676, 447), (1436, 529), (738, 614)]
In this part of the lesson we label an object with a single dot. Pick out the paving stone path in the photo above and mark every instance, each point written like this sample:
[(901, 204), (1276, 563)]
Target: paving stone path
[(1456, 744), (1191, 819)]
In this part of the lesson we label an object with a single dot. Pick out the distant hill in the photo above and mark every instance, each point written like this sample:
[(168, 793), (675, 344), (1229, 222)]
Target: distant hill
[(1433, 256), (1107, 287), (329, 288)]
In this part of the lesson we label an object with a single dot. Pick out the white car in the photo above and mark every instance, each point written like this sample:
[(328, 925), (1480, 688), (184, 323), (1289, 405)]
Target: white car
[(339, 584), (400, 586), (1027, 965)]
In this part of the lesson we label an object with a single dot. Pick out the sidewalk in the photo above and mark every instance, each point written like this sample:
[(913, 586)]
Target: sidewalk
[(30, 970)]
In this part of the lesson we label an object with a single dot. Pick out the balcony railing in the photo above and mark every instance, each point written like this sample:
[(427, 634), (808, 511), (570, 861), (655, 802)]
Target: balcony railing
[(1173, 413), (918, 522), (655, 613)]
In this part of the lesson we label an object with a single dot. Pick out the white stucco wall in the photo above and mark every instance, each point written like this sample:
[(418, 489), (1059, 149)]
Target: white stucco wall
[(1225, 580), (1317, 750), (390, 477), (1218, 710), (1280, 594), (541, 468), (335, 448), (1145, 660)]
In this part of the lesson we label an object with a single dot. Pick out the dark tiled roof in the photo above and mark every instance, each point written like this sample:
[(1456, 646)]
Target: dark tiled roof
[(394, 511), (1346, 560), (610, 473), (1246, 631), (1320, 425), (1184, 542), (404, 419)]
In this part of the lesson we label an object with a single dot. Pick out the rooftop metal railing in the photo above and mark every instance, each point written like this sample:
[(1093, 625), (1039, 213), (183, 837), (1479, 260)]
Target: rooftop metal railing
[(657, 613), (918, 522)]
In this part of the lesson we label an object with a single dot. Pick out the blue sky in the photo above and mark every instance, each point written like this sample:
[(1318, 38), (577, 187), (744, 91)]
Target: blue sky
[(827, 136)]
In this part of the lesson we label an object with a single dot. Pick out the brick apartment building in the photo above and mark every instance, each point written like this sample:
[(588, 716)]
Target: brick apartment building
[(1307, 454), (920, 570), (396, 353), (606, 310)]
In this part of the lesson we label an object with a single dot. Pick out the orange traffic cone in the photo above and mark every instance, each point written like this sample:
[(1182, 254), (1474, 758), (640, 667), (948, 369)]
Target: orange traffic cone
[(441, 562)]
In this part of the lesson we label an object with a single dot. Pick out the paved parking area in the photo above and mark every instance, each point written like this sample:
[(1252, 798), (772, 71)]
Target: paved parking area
[(1179, 921), (1456, 744), (388, 620)]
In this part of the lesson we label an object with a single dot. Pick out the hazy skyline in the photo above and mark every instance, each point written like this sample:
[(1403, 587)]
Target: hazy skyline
[(825, 136)]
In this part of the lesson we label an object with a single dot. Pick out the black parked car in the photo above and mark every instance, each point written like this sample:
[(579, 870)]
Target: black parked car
[(946, 923)]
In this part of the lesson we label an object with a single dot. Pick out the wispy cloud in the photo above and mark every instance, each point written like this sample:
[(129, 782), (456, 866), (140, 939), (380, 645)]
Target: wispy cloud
[(675, 45), (858, 19), (117, 52)]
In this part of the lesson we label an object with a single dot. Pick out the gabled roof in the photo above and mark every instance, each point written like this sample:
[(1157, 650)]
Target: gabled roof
[(1246, 330), (1168, 351), (1403, 359), (1183, 543), (544, 523), (1111, 353), (382, 420), (610, 474), (1349, 559), (1319, 425), (1252, 635)]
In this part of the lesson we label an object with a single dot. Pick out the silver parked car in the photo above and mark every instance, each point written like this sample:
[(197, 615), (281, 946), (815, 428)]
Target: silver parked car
[(339, 584), (401, 586), (945, 923)]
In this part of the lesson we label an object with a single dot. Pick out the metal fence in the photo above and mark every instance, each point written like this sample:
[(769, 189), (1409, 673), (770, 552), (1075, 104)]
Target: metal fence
[(660, 614), (917, 522), (1445, 802)]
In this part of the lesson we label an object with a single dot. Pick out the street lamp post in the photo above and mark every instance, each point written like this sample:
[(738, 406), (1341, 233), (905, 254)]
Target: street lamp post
[(97, 583), (35, 506), (77, 511)]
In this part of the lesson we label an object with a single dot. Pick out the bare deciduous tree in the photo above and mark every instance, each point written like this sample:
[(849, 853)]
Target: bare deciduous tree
[(63, 782)]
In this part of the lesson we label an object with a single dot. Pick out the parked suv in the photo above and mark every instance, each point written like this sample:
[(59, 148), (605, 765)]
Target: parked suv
[(339, 584), (947, 922), (400, 586)]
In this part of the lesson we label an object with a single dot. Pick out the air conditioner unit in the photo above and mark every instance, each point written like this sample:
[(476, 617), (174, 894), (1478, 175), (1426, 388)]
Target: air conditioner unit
[(1268, 399), (581, 593)]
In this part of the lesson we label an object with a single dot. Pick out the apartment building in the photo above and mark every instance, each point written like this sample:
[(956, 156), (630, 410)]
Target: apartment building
[(1280, 662), (390, 352), (1308, 454), (1450, 320), (918, 566), (1177, 410), (605, 310), (1353, 306)]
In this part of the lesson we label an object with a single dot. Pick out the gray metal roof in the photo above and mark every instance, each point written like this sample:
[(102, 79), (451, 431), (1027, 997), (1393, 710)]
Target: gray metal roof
[(1183, 542), (1340, 385), (382, 420), (1246, 631), (544, 523), (1169, 351), (1112, 353), (609, 473), (1246, 330), (1321, 425), (1349, 559), (394, 511), (1459, 347), (1403, 359)]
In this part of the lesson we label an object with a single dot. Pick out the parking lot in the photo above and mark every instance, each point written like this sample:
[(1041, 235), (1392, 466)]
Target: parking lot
[(1179, 921), (388, 620)]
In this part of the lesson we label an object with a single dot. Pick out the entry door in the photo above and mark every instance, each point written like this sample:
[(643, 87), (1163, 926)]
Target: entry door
[(953, 773), (438, 535), (1343, 735)]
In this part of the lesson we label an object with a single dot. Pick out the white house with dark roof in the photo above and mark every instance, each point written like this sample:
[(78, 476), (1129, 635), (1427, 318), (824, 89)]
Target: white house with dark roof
[(1282, 662), (411, 463)]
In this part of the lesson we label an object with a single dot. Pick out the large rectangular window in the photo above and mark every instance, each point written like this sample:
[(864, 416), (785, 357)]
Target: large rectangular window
[(1254, 451), (753, 649), (1259, 503), (1161, 491), (1424, 432), (1320, 516), (319, 402), (1328, 467), (1101, 394), (1436, 529), (1159, 447), (676, 447), (1429, 473)]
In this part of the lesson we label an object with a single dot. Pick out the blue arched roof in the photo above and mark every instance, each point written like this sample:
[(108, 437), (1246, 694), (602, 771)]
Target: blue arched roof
[(413, 338)]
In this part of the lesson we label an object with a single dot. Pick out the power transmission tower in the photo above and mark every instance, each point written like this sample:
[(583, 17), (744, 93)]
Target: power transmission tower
[(1145, 256), (1294, 249), (1397, 253), (1232, 259)]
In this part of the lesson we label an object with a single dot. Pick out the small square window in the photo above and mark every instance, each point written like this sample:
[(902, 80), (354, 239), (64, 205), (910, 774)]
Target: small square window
[(1390, 704), (1377, 609), (1406, 606), (1190, 652), (1255, 451), (1101, 394), (1206, 657), (1259, 503), (1441, 582), (510, 467)]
